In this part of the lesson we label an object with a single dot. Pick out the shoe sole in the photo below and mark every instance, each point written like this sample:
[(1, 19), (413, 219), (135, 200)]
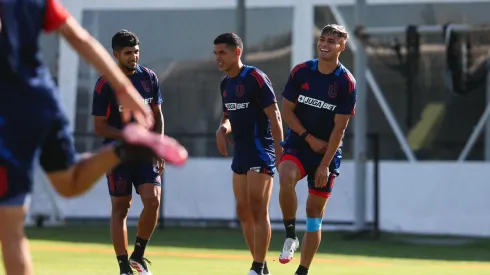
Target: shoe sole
[(285, 261), (164, 147)]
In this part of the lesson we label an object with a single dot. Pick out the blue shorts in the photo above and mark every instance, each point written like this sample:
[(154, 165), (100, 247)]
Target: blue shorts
[(32, 126), (245, 160), (121, 179), (307, 162)]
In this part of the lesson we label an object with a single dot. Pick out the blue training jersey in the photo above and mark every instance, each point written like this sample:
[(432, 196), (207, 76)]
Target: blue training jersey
[(106, 104), (244, 97), (319, 97), (21, 66)]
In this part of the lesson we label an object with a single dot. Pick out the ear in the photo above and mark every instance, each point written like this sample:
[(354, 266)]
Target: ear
[(115, 54), (238, 52), (342, 46)]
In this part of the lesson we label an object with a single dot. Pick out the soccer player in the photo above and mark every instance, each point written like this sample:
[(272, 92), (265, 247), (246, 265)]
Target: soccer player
[(318, 101), (33, 125), (250, 111), (144, 175)]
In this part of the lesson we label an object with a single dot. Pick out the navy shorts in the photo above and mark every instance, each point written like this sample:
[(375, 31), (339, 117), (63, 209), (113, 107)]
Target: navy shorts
[(121, 179), (307, 162), (32, 126), (245, 160)]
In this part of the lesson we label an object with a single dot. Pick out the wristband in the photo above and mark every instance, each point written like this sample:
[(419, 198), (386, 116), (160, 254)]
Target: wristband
[(305, 134)]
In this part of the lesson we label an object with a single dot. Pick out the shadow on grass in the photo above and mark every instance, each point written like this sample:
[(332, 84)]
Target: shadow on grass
[(389, 246)]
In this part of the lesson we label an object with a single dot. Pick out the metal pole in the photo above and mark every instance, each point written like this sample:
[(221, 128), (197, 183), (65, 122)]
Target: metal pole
[(424, 29), (241, 23), (474, 136), (487, 126), (360, 123)]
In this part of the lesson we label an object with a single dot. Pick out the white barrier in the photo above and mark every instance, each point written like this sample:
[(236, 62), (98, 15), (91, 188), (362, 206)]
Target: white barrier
[(425, 197)]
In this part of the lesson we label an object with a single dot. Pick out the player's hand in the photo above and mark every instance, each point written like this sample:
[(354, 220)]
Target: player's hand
[(279, 152), (160, 166), (133, 106), (317, 145), (222, 140), (321, 176)]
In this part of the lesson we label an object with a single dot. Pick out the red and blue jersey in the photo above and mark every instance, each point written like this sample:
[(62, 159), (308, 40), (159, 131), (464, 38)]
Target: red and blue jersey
[(106, 104), (244, 97), (319, 97)]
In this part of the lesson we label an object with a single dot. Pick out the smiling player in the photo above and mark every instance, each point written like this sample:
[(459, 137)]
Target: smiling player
[(144, 175), (319, 100), (250, 111)]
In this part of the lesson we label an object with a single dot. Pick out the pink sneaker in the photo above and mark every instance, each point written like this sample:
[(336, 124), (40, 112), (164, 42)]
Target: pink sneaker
[(164, 147)]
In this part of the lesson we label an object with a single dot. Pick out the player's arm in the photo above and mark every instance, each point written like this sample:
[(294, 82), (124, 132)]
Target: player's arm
[(58, 19), (156, 106), (101, 111), (290, 96), (343, 112), (268, 101), (224, 125)]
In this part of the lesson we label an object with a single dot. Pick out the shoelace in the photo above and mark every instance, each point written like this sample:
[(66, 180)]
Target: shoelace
[(144, 264)]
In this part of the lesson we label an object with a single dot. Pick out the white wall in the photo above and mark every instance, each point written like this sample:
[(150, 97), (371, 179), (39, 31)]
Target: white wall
[(425, 197)]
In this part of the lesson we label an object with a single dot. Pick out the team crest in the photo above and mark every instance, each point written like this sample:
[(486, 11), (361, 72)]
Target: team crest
[(332, 90), (240, 90), (146, 85)]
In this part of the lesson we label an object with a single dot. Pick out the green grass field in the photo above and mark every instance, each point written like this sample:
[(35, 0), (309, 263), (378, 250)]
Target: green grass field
[(88, 250)]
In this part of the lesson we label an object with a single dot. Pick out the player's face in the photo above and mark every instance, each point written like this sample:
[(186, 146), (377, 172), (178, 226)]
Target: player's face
[(128, 57), (226, 56), (330, 46)]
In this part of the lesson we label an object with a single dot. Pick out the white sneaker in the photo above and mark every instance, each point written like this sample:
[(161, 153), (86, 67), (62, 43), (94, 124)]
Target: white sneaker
[(290, 246), (141, 266)]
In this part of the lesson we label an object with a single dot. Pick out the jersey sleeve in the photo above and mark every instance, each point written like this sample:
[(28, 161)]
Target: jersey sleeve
[(158, 97), (101, 104), (291, 91), (222, 92), (55, 16), (263, 89), (348, 96)]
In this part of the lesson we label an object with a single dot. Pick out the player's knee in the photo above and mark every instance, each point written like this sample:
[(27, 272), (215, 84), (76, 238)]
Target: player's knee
[(120, 209), (258, 209), (243, 212), (152, 202), (314, 211), (313, 224)]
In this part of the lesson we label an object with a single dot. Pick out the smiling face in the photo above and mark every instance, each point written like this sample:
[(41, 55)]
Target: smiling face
[(228, 49), (128, 57), (331, 42), (226, 56)]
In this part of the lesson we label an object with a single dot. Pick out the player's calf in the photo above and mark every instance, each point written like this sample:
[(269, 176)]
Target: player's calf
[(290, 172), (259, 193), (150, 196), (15, 247), (119, 233), (315, 206)]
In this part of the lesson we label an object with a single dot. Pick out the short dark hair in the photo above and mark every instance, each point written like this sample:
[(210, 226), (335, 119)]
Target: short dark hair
[(123, 39), (337, 30), (230, 39)]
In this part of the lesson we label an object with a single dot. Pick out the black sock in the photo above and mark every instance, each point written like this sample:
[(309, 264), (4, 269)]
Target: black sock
[(258, 267), (139, 248), (290, 226), (123, 262), (266, 270), (302, 270)]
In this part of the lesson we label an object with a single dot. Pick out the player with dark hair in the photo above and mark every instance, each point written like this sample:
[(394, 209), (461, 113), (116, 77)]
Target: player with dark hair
[(250, 110), (318, 101), (33, 125), (144, 175)]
